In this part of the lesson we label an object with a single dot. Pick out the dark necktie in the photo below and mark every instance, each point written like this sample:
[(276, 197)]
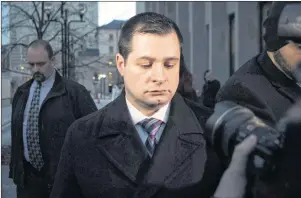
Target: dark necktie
[(151, 126), (33, 140)]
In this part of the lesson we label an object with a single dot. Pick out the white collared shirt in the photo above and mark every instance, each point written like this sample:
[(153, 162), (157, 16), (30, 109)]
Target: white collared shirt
[(45, 89)]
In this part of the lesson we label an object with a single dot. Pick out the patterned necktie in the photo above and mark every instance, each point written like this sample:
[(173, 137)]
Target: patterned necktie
[(33, 140), (151, 126)]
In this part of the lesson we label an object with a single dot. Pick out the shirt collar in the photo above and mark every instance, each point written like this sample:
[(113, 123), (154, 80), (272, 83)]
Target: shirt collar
[(162, 114)]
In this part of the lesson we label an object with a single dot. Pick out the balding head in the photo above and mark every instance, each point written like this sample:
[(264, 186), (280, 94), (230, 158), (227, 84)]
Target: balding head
[(42, 44), (40, 59)]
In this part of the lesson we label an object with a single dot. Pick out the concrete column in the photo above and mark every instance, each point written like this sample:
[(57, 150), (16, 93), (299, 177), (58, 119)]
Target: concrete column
[(171, 10), (166, 8), (140, 7), (161, 7), (247, 32), (148, 6), (218, 41), (177, 12), (199, 48), (183, 23), (154, 6)]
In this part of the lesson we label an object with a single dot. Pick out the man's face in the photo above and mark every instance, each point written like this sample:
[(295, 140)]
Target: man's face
[(151, 71), (40, 65), (288, 56)]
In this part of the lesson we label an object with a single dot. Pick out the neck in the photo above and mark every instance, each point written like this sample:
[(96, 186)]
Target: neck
[(144, 109), (147, 112)]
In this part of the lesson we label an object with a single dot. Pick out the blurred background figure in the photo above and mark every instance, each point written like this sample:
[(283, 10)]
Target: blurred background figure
[(210, 89)]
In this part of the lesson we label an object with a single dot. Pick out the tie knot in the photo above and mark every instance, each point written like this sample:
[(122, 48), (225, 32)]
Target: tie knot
[(151, 125)]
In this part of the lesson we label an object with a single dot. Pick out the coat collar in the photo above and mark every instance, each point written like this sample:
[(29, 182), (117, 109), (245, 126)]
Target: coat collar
[(58, 88), (117, 138), (278, 79)]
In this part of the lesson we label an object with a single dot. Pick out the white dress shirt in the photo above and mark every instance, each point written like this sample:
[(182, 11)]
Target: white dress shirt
[(45, 89)]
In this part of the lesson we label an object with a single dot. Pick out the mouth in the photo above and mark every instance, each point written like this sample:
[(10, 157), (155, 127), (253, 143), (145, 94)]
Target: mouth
[(157, 91)]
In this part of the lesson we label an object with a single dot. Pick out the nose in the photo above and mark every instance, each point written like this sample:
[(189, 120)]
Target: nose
[(158, 74), (35, 68)]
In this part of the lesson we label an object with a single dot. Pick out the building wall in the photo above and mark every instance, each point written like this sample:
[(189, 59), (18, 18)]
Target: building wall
[(84, 75), (108, 47), (108, 39), (221, 36)]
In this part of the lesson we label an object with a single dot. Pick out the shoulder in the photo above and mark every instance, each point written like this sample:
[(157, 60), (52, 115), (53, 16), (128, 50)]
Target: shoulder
[(90, 125), (201, 112), (249, 76), (24, 86), (85, 127), (73, 85)]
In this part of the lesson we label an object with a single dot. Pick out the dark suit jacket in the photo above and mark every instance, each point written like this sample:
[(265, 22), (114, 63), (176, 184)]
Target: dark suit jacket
[(66, 102), (102, 157), (260, 86)]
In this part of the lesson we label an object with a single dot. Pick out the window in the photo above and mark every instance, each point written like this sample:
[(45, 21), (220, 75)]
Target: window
[(231, 44), (111, 49), (264, 7), (111, 37)]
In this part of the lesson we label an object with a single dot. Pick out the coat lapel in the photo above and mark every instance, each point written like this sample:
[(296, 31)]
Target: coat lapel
[(279, 80), (118, 139), (293, 93), (181, 138)]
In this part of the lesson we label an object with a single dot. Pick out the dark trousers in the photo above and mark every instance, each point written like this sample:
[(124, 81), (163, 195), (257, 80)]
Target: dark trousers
[(35, 184)]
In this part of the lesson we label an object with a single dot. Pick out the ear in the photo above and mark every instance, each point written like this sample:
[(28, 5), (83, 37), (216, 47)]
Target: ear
[(120, 63)]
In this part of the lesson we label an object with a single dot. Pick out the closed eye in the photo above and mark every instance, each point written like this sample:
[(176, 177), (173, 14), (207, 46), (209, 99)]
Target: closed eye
[(146, 66), (169, 65)]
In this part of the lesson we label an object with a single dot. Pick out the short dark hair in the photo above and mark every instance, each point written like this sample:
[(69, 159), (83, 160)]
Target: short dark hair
[(185, 87), (42, 43), (147, 22)]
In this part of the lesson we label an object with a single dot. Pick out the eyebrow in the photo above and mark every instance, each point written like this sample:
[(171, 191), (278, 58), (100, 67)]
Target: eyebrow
[(153, 59)]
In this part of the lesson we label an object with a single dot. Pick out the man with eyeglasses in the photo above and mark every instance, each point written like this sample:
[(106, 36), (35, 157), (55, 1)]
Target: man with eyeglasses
[(42, 110)]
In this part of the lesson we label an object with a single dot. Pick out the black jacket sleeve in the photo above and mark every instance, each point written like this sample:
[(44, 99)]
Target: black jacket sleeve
[(10, 175), (84, 104), (65, 183), (244, 94)]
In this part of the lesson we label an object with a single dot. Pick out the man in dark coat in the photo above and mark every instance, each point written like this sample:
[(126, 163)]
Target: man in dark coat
[(266, 84), (42, 110), (149, 142)]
